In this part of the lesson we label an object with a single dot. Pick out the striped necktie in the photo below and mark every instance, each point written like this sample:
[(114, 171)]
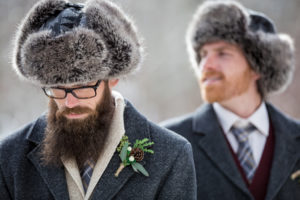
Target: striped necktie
[(244, 153), (86, 173)]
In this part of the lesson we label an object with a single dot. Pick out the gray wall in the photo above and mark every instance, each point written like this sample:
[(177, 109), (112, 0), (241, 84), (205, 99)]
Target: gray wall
[(165, 86)]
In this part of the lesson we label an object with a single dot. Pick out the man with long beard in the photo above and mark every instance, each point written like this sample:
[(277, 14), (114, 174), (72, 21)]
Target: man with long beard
[(67, 134), (244, 148), (91, 144)]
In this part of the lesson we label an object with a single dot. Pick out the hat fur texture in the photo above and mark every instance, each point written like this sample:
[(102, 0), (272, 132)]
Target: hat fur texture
[(271, 55), (107, 47)]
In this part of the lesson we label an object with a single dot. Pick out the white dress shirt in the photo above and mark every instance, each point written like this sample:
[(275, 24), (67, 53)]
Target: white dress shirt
[(257, 139)]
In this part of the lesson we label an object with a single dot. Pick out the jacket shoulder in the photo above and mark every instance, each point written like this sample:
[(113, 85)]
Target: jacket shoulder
[(168, 145), (178, 121), (19, 139), (16, 137), (180, 124), (166, 135), (13, 150), (278, 117)]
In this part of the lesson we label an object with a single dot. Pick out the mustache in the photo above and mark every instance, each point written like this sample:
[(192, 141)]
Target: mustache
[(208, 74), (75, 110)]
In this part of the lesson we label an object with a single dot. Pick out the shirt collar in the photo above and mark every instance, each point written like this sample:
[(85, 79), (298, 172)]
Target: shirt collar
[(259, 118)]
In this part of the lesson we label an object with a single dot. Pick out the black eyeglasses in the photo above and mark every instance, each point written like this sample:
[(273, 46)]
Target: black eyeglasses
[(84, 92)]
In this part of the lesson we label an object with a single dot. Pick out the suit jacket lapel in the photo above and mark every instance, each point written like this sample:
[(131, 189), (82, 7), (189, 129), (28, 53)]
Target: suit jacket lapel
[(212, 141), (285, 154), (136, 127), (53, 177)]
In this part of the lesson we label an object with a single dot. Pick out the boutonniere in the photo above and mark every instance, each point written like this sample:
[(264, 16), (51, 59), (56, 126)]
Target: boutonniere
[(296, 176), (132, 155)]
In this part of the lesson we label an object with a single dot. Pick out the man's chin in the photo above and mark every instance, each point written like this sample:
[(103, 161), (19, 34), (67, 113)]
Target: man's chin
[(212, 97)]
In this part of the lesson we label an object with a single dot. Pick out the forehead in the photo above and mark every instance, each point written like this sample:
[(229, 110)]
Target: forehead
[(220, 45)]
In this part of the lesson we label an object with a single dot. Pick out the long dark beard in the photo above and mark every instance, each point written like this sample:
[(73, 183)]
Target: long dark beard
[(80, 139)]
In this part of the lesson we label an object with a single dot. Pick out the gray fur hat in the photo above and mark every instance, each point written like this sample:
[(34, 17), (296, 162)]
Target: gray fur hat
[(270, 54), (61, 43)]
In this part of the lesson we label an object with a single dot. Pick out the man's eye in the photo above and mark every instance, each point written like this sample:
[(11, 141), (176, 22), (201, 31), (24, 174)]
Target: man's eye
[(202, 54), (223, 54)]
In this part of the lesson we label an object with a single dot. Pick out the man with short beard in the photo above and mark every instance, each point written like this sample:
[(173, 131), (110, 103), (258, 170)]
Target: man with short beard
[(91, 144), (244, 148)]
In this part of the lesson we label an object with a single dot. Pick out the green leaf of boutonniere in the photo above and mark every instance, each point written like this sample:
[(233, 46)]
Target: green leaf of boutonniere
[(132, 155), (134, 168), (140, 167), (124, 151)]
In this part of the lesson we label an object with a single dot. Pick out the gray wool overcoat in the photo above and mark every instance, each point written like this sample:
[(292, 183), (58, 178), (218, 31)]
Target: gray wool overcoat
[(171, 167), (218, 176)]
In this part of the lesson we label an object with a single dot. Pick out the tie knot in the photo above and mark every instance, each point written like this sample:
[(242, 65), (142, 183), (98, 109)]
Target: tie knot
[(241, 130)]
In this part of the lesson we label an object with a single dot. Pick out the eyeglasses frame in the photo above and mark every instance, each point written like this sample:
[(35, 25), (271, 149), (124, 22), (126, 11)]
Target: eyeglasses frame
[(70, 90)]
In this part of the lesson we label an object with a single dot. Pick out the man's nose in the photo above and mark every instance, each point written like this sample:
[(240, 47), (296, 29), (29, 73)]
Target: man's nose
[(71, 101), (208, 63)]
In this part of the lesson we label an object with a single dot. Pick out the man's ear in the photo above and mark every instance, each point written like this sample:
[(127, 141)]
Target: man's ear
[(112, 83), (255, 75)]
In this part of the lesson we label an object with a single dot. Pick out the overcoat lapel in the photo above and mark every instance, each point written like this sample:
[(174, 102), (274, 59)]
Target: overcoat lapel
[(109, 185), (136, 127), (285, 154), (212, 142), (53, 177)]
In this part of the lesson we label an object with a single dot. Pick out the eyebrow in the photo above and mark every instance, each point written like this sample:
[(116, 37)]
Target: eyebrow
[(224, 48), (221, 48)]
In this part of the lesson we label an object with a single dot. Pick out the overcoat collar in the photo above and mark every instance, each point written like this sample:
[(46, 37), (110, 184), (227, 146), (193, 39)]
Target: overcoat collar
[(212, 142), (136, 127)]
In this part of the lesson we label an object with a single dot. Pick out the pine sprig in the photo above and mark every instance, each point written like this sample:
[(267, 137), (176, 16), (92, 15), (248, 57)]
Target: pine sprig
[(142, 144), (148, 144), (122, 142), (149, 151)]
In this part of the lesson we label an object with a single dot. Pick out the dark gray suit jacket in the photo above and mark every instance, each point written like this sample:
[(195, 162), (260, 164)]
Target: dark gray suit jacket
[(171, 167), (217, 174)]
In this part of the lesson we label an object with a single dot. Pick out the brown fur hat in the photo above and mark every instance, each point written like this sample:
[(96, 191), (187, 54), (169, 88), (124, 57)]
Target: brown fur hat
[(104, 45), (270, 54)]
